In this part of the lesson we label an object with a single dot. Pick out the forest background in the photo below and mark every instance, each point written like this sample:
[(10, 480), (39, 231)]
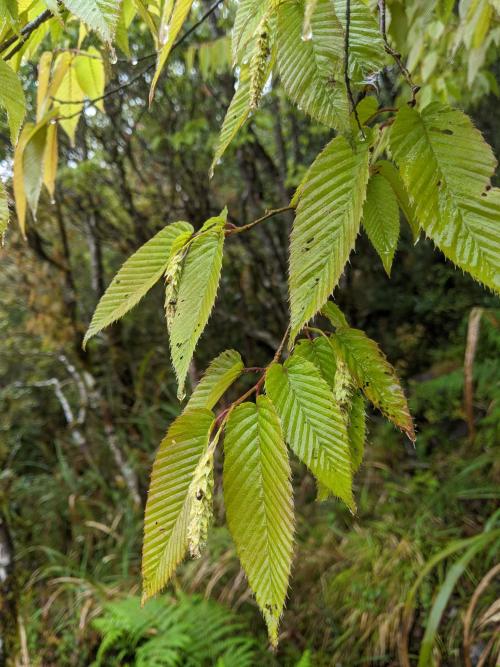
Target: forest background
[(79, 429)]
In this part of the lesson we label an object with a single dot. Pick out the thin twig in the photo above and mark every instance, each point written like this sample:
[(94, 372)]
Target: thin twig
[(397, 56), (24, 34), (346, 64), (238, 230), (379, 111)]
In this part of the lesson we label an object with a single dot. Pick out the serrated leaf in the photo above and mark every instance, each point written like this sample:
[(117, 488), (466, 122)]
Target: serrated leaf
[(320, 353), (326, 226), (89, 69), (446, 166), (356, 430), (248, 16), (259, 504), (169, 501), (381, 219), (388, 171), (366, 47), (313, 424), (198, 286), (12, 99), (171, 32), (219, 376), (311, 70), (135, 278), (333, 313), (4, 212), (99, 15), (374, 375)]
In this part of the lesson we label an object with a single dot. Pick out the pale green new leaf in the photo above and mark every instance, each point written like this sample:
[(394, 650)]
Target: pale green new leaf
[(4, 212), (259, 504), (135, 278), (311, 70), (381, 219), (374, 375), (89, 69), (171, 32), (99, 15), (332, 312), (326, 226), (366, 47), (320, 353), (70, 94), (219, 376), (169, 504), (446, 166), (196, 294), (391, 175), (248, 16), (356, 430), (313, 424), (12, 99)]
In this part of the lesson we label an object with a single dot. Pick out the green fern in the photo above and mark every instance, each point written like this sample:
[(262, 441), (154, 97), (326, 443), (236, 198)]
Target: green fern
[(446, 167), (259, 506)]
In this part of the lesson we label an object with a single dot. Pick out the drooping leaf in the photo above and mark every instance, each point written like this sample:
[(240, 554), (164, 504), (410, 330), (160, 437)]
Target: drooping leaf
[(218, 377), (320, 353), (99, 15), (171, 32), (12, 99), (311, 70), (50, 158), (169, 501), (356, 430), (332, 312), (381, 219), (33, 156), (388, 171), (18, 179), (89, 69), (71, 98), (4, 212), (259, 505), (326, 226), (44, 69), (135, 278), (446, 166), (374, 376), (313, 424), (366, 47), (198, 286)]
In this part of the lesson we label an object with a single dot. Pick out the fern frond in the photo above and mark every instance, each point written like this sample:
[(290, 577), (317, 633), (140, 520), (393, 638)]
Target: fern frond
[(135, 278), (313, 424), (259, 506), (326, 226), (446, 166), (196, 294), (169, 499)]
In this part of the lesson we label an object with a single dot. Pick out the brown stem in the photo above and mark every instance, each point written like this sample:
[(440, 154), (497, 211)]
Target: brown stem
[(238, 230)]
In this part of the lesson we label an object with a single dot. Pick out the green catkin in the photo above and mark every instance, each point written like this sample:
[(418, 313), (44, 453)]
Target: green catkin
[(258, 64), (201, 508)]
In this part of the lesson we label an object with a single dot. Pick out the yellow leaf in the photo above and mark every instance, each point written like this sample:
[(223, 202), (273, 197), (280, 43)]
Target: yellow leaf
[(42, 100), (70, 97), (90, 75), (50, 159), (18, 180)]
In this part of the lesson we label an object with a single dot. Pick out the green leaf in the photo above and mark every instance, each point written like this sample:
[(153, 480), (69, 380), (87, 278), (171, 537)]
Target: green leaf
[(89, 70), (332, 312), (374, 376), (320, 353), (366, 47), (259, 504), (391, 175), (356, 430), (179, 15), (446, 166), (218, 377), (169, 504), (248, 16), (326, 226), (135, 278), (198, 286), (311, 70), (381, 219), (313, 423), (99, 15), (33, 156), (12, 99), (70, 95), (4, 212)]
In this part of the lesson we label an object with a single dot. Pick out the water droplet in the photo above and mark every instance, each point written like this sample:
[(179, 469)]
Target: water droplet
[(113, 58), (134, 62), (307, 34), (52, 201)]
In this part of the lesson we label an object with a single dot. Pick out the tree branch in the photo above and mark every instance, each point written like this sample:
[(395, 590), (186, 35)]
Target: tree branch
[(24, 34), (270, 214)]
